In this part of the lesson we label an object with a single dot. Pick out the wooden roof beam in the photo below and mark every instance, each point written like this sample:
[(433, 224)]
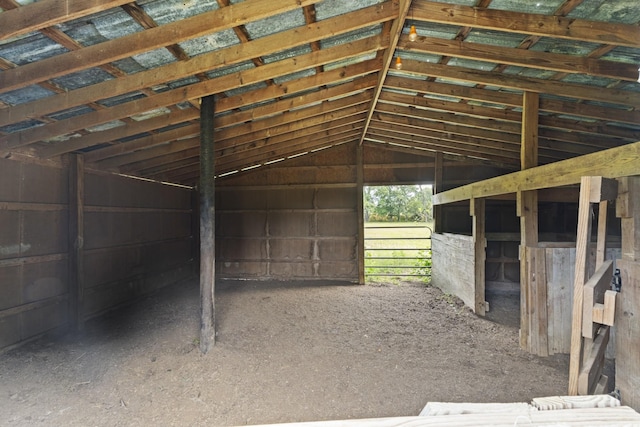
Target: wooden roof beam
[(282, 106), (175, 96), (199, 64), (283, 152), (618, 34), (435, 145), (134, 161), (554, 141), (290, 146), (154, 38), (46, 13), (522, 58), (513, 100), (394, 35), (531, 84)]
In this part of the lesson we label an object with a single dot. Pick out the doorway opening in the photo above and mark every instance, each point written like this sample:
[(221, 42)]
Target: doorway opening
[(397, 233)]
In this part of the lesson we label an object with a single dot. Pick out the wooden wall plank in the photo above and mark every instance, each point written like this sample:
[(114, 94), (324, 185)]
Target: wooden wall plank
[(453, 269), (76, 241)]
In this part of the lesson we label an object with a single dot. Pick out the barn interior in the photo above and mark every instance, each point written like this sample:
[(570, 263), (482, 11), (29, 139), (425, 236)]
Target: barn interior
[(145, 142)]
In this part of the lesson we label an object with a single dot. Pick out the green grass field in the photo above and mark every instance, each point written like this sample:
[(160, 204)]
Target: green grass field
[(397, 251)]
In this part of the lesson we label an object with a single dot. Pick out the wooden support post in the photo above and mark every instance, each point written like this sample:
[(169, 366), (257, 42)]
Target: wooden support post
[(582, 244), (76, 241), (437, 188), (207, 226), (360, 207), (527, 210), (627, 316), (480, 243)]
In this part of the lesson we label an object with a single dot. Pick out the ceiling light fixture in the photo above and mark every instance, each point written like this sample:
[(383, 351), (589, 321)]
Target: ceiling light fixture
[(398, 63), (413, 34)]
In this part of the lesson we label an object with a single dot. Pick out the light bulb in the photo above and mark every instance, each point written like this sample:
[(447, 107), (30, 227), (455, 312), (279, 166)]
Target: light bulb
[(398, 63), (413, 34)]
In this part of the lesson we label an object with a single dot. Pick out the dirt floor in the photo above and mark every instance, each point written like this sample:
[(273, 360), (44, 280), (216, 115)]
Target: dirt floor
[(284, 353)]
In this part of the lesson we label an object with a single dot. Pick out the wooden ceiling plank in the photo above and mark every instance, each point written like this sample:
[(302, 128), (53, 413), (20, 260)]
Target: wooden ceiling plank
[(193, 91), (246, 159), (394, 34), (303, 121), (188, 173), (432, 128), (358, 72), (250, 118), (412, 133), (613, 33), (437, 145), (149, 154), (589, 128), (363, 75), (569, 142), (178, 70), (141, 143), (522, 58), (490, 124), (306, 106), (542, 86), (231, 149), (611, 163), (453, 107), (46, 13), (513, 100), (319, 115), (445, 89), (154, 38), (165, 163)]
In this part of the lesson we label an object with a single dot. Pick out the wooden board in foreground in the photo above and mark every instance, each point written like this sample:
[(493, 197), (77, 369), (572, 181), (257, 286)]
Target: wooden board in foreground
[(621, 415)]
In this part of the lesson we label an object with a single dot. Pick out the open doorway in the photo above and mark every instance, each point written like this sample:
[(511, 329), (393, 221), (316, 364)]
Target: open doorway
[(397, 233)]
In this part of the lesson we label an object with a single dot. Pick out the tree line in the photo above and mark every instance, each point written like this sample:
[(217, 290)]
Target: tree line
[(398, 203)]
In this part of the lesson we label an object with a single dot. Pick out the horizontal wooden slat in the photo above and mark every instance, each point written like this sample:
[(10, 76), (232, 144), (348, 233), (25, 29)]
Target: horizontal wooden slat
[(613, 33), (611, 163), (46, 13), (522, 58)]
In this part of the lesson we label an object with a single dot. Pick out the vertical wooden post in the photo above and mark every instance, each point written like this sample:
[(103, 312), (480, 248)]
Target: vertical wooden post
[(207, 226), (627, 316), (527, 210), (76, 241), (360, 208), (437, 188), (580, 275), (480, 243)]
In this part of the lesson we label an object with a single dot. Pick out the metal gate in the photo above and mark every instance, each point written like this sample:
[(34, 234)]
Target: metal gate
[(397, 251)]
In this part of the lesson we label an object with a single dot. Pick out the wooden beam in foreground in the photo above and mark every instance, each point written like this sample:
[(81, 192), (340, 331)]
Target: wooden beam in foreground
[(611, 163)]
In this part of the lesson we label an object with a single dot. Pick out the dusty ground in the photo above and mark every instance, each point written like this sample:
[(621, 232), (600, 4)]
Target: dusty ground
[(284, 353)]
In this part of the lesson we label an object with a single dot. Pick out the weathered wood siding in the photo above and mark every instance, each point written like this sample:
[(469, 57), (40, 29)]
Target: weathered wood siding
[(137, 237), (294, 220), (453, 269), (33, 249), (560, 269)]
